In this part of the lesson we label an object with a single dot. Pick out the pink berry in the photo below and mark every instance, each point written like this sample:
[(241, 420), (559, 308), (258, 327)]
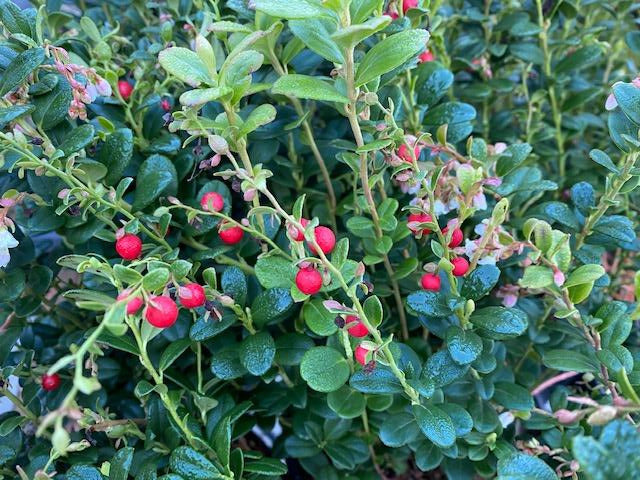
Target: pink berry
[(309, 281), (456, 237), (419, 218), (50, 382), (431, 282), (361, 355), (125, 89), (426, 56), (359, 330), (133, 305), (296, 233), (231, 235), (192, 295), (325, 238), (405, 154), (407, 4), (129, 246), (460, 266), (212, 202), (161, 312)]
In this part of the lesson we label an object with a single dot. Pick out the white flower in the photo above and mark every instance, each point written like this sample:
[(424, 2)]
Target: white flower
[(6, 242)]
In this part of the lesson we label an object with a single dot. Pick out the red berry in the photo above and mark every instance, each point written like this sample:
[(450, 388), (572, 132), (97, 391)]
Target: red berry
[(161, 312), (460, 266), (125, 89), (165, 104), (50, 382), (325, 238), (456, 237), (296, 233), (407, 4), (231, 235), (426, 56), (361, 355), (431, 282), (133, 305), (309, 281), (192, 295), (405, 154), (359, 330), (212, 202), (129, 246), (419, 218)]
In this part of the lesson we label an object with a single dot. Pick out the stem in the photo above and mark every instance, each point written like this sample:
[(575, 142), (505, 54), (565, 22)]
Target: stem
[(364, 179), (351, 293), (555, 111), (607, 199)]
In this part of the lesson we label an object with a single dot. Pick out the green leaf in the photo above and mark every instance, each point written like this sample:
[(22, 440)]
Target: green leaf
[(480, 282), (200, 96), (519, 466), (399, 429), (431, 304), (440, 369), (353, 34), (464, 346), (436, 425), (269, 467), (271, 305), (291, 347), (291, 10), (156, 176), (324, 369), (536, 276), (222, 440), (257, 352), (185, 65), (513, 396), (20, 68), (584, 274), (261, 115), (83, 472), (433, 82), (580, 58), (569, 360), (77, 139), (116, 154), (319, 320), (275, 272), (234, 284), (156, 279), (120, 464), (173, 351), (188, 463), (461, 419), (390, 53), (9, 114), (380, 381), (500, 323), (612, 456), (206, 328), (373, 310), (304, 86), (346, 402), (53, 106), (316, 33)]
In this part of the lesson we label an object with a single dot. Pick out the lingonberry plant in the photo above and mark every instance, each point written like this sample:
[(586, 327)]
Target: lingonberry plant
[(339, 239)]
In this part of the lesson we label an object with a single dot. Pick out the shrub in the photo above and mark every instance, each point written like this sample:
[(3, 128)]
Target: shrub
[(302, 239)]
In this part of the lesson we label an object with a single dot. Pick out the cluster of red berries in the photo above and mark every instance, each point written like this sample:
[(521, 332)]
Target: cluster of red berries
[(214, 202), (308, 279), (162, 311), (431, 281), (358, 330)]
